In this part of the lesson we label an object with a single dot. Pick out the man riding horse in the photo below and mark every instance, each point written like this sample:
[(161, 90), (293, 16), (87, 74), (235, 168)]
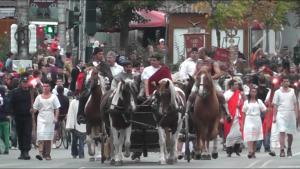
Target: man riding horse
[(213, 68), (104, 70)]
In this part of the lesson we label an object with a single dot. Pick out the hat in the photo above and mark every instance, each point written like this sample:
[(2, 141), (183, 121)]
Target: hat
[(161, 40), (24, 79), (126, 62)]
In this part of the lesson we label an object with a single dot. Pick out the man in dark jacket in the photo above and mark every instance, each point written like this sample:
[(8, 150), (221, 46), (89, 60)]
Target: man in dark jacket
[(21, 101)]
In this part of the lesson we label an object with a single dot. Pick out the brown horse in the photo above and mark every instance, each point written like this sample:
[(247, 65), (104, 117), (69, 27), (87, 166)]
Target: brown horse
[(171, 106), (94, 122), (206, 115)]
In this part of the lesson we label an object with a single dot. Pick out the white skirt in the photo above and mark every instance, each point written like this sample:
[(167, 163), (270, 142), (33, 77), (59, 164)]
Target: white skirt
[(45, 126), (253, 128), (234, 136), (286, 122)]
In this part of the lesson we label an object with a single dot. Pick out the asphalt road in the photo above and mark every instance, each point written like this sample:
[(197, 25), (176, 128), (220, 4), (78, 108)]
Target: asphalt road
[(62, 158)]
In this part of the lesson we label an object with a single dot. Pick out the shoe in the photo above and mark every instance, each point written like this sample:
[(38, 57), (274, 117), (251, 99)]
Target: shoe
[(39, 157), (74, 157), (48, 158), (21, 156), (289, 152), (272, 153), (26, 156), (54, 146), (249, 155), (282, 153)]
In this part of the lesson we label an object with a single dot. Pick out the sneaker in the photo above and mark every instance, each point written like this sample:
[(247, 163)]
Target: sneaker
[(289, 152), (39, 157), (54, 146), (282, 153)]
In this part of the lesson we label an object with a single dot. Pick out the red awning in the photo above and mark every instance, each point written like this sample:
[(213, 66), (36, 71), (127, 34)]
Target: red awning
[(154, 19)]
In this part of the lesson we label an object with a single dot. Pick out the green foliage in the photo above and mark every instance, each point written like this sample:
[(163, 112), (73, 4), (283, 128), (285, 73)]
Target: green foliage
[(4, 46), (116, 13)]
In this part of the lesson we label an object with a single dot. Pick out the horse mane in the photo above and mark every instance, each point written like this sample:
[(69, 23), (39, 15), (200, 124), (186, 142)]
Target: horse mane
[(172, 91)]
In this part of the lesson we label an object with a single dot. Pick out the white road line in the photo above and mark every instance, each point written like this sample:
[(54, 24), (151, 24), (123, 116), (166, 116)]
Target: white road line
[(265, 164), (296, 154), (252, 164), (289, 166)]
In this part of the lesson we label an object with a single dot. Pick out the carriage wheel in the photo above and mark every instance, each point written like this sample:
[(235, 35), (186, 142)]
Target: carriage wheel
[(187, 140)]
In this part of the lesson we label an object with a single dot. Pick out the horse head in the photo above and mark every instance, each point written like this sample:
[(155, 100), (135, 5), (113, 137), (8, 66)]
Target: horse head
[(205, 83), (95, 80), (166, 96), (128, 91)]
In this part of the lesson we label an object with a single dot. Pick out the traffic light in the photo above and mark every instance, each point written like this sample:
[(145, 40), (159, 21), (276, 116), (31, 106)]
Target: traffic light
[(32, 39), (90, 27), (50, 29), (13, 39), (74, 18)]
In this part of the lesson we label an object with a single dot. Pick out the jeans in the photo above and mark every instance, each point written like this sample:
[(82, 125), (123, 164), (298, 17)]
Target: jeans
[(265, 142), (77, 148)]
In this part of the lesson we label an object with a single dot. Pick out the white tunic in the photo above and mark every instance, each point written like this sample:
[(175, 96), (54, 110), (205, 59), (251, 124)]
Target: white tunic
[(285, 118), (148, 72), (253, 126), (71, 122), (45, 119)]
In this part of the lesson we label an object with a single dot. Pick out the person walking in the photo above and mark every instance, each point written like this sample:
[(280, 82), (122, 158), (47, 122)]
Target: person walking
[(4, 120), (253, 107), (48, 105), (285, 115), (78, 130), (23, 116)]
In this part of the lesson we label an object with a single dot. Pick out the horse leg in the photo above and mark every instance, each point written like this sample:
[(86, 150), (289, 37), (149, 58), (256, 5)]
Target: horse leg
[(127, 141), (162, 144), (174, 142), (120, 144), (115, 137), (91, 147), (214, 153)]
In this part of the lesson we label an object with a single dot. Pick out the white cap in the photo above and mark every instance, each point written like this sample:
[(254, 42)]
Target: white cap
[(161, 40)]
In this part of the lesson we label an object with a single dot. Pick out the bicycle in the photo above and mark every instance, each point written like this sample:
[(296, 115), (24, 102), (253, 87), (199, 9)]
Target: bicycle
[(62, 136)]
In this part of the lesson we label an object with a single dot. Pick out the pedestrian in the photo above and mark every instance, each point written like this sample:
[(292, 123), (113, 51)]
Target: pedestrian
[(253, 107), (285, 114), (232, 126), (48, 105), (20, 101), (78, 130), (4, 120), (63, 110)]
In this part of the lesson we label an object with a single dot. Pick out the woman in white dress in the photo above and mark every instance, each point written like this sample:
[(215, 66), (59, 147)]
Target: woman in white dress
[(253, 132), (47, 104)]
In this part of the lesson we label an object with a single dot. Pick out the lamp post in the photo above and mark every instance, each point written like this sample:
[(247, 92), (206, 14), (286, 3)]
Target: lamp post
[(22, 31)]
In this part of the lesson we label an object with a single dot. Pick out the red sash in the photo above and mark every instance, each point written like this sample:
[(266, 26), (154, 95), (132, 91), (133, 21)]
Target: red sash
[(232, 106), (163, 72)]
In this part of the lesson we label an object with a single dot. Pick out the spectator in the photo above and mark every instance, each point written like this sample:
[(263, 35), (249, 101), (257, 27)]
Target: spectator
[(23, 117), (59, 82), (4, 120), (8, 62)]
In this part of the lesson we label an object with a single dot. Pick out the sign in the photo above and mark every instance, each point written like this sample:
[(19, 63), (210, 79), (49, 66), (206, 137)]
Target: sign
[(193, 41), (20, 66)]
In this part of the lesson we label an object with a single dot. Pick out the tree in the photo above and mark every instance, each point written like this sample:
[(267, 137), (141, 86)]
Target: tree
[(118, 14), (4, 46), (273, 18)]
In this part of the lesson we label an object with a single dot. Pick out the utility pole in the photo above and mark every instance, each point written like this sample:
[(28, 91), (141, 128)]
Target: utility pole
[(61, 4), (22, 31)]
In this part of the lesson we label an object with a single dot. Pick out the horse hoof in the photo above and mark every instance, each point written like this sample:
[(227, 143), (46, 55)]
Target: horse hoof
[(170, 161), (214, 155), (92, 159), (103, 159), (118, 163), (112, 162), (163, 162), (127, 154)]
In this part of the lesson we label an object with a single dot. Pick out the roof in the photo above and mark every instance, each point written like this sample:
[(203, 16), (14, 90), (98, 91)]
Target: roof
[(154, 19), (187, 8), (7, 3)]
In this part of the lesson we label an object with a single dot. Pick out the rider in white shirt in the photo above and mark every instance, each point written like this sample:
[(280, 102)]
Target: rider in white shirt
[(188, 66), (111, 60)]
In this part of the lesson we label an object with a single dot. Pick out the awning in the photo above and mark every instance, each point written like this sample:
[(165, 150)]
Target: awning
[(154, 19)]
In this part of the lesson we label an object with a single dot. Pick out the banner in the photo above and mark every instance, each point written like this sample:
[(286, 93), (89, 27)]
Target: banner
[(20, 66), (193, 41), (43, 9)]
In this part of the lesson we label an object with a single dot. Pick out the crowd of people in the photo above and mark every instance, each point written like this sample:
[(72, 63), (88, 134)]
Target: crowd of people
[(255, 109)]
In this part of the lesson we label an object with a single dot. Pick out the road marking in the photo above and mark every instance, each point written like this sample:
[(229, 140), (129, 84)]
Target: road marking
[(265, 164), (252, 164), (289, 166), (296, 154)]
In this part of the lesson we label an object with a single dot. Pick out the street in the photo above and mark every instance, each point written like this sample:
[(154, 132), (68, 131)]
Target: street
[(62, 158)]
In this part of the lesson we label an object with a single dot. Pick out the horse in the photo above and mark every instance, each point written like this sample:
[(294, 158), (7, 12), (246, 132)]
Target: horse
[(171, 106), (206, 116), (95, 87), (122, 104)]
